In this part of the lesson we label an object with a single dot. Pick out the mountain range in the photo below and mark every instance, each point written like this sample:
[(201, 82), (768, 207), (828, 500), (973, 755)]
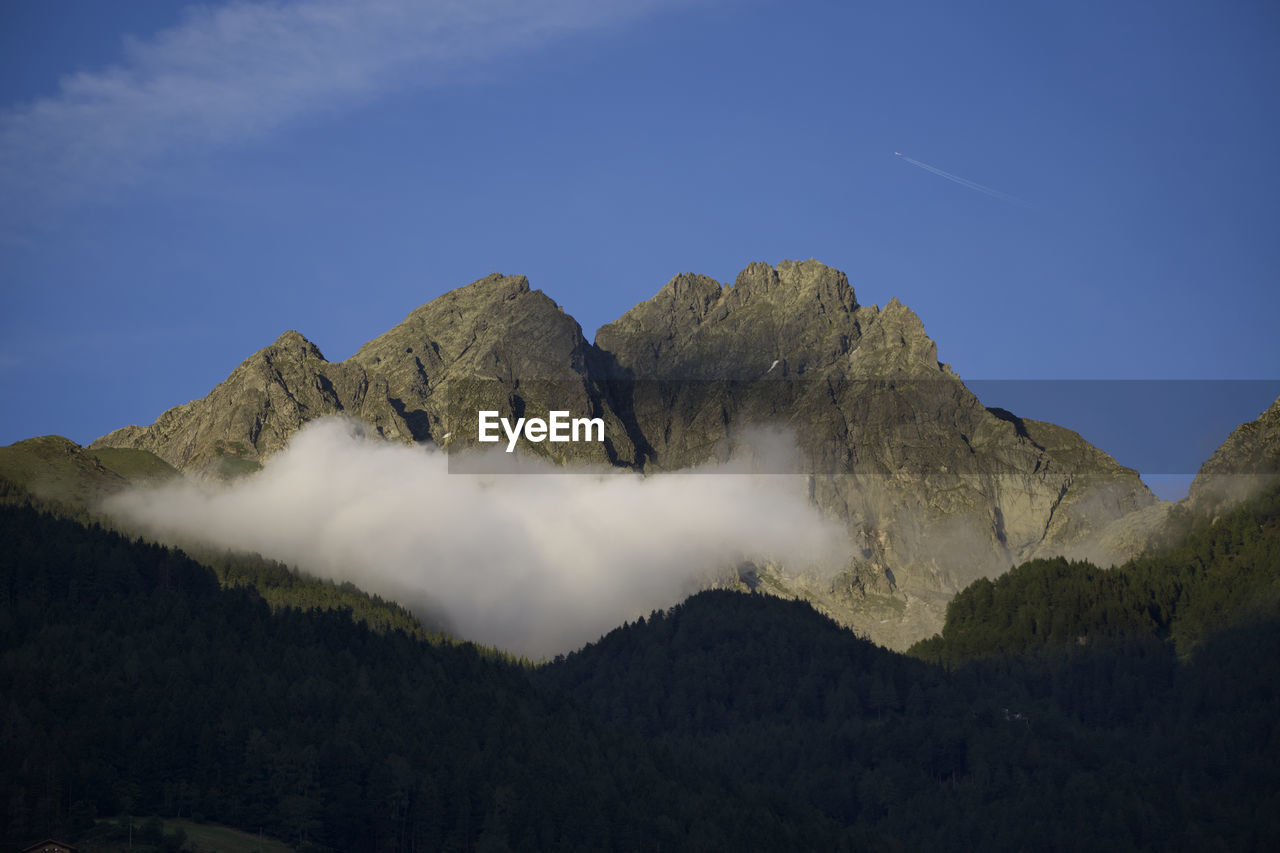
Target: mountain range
[(1061, 705), (933, 489)]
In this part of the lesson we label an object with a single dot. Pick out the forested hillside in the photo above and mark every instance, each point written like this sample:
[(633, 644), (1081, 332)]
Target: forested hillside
[(132, 681), (1064, 708), (279, 585), (1105, 746), (1224, 571)]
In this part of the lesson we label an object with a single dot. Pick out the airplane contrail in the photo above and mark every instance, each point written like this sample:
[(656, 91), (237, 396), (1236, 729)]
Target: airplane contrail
[(964, 182)]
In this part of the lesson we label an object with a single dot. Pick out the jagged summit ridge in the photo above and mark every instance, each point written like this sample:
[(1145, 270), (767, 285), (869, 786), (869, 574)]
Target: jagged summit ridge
[(803, 314), (469, 349), (294, 340), (1246, 463), (254, 411), (900, 448), (497, 327)]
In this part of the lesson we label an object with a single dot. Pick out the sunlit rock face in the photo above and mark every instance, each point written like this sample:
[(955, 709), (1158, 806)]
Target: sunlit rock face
[(1246, 463), (933, 489)]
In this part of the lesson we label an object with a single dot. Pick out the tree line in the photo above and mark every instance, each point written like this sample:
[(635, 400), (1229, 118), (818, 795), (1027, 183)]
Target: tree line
[(1062, 707)]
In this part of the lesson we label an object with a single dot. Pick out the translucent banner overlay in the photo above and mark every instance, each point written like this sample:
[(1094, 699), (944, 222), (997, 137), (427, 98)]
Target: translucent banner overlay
[(833, 426)]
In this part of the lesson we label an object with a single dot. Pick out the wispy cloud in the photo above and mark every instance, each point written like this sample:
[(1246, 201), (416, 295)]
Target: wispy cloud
[(538, 563), (240, 72)]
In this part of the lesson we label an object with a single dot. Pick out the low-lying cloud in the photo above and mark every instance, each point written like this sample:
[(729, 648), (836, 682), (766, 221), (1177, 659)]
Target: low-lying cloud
[(537, 564)]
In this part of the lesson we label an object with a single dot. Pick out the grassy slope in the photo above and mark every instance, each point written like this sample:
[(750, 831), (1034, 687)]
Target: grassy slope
[(59, 476), (215, 838)]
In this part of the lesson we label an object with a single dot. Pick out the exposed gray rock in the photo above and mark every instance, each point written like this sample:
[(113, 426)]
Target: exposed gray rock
[(493, 344), (801, 314), (253, 413), (1246, 463), (934, 489)]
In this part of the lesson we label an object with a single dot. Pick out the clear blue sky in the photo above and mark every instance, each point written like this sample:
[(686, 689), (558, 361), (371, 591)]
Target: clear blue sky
[(179, 182)]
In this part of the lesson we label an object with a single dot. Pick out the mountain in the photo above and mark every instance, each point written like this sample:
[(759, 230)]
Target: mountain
[(492, 344), (933, 488), (1063, 705), (56, 471), (1245, 464), (256, 409)]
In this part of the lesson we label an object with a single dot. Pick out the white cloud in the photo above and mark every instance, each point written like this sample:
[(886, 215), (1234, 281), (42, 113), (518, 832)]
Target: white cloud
[(536, 563), (242, 71)]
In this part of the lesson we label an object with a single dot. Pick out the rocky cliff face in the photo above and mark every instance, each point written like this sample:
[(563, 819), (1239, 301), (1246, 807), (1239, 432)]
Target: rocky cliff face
[(934, 489), (493, 344), (803, 315), (1246, 463), (259, 406)]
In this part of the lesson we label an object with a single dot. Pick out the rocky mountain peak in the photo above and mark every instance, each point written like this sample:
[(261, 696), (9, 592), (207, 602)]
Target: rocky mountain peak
[(496, 327), (757, 278), (254, 411), (493, 288), (933, 488), (810, 282), (292, 341), (495, 344), (894, 342), (793, 318), (1246, 463), (688, 295)]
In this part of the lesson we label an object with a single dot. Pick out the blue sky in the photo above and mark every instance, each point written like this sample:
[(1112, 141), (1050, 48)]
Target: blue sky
[(181, 182)]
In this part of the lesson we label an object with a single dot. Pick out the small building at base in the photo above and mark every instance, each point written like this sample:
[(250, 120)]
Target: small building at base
[(50, 846)]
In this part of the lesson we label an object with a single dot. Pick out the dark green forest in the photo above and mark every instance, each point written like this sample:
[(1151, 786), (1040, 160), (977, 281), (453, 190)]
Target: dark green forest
[(134, 682), (1222, 572), (1063, 707), (278, 584)]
